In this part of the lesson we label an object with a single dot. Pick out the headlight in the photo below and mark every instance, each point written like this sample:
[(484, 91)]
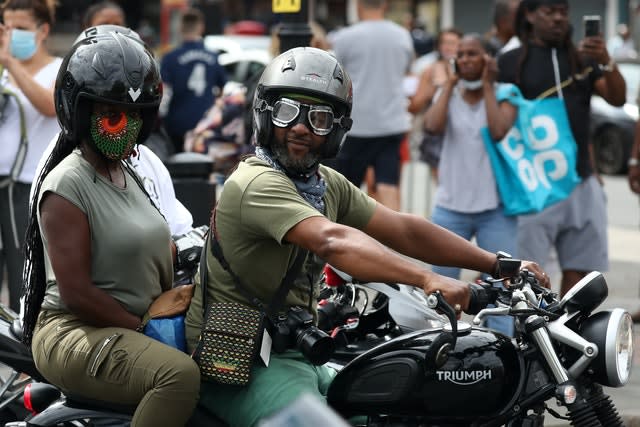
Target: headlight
[(612, 332)]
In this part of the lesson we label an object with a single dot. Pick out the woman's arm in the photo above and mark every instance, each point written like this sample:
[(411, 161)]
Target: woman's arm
[(435, 119), (39, 96), (424, 93), (500, 117)]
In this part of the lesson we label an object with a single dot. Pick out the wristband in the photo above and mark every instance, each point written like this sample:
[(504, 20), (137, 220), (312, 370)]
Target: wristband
[(633, 162)]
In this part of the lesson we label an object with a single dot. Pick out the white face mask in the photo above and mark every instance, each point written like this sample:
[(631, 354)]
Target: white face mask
[(471, 84)]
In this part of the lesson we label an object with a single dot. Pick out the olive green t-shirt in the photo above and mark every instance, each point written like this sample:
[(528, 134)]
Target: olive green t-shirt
[(257, 207), (130, 240)]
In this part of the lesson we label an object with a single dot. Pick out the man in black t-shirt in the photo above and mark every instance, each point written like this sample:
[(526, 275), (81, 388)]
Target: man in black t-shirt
[(575, 227)]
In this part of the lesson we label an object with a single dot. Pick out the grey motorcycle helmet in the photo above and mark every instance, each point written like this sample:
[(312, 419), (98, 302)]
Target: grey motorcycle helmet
[(305, 71)]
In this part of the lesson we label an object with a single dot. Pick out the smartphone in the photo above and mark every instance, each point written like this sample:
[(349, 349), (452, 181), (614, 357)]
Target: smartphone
[(591, 25), (454, 67)]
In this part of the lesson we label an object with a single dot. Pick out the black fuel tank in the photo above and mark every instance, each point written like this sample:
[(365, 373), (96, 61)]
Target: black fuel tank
[(479, 378)]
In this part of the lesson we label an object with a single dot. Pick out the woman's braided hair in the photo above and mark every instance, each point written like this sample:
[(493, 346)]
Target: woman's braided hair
[(33, 275)]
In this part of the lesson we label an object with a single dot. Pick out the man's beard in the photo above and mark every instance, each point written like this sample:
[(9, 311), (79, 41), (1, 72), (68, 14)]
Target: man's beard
[(301, 165)]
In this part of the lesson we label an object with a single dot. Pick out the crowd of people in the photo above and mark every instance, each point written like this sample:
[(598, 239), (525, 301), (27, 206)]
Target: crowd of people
[(94, 211)]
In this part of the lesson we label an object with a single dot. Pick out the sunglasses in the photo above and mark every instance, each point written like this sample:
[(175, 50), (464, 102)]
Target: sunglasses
[(320, 117)]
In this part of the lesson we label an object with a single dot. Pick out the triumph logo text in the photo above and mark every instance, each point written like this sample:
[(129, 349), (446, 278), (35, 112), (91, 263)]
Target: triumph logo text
[(464, 377)]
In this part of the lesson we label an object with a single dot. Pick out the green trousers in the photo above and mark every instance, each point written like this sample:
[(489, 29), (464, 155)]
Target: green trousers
[(288, 376), (117, 365)]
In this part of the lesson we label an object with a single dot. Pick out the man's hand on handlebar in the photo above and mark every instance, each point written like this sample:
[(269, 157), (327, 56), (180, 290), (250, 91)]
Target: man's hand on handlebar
[(455, 292)]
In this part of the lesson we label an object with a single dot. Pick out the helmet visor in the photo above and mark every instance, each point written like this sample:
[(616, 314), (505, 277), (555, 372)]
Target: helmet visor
[(320, 117)]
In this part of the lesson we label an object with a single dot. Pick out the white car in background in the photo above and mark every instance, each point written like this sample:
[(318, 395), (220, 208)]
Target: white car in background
[(613, 128), (241, 56)]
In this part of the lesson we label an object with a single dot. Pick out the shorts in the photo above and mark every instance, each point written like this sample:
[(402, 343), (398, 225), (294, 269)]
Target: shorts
[(576, 227), (381, 152)]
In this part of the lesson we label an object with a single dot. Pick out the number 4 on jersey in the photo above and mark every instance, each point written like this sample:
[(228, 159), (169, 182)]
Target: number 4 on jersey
[(197, 81)]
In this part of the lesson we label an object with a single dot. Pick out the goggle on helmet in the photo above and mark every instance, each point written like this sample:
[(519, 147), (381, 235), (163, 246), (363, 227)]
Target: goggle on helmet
[(305, 73)]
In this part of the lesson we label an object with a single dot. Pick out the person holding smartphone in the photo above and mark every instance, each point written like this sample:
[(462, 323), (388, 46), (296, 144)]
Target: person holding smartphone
[(549, 61), (467, 201)]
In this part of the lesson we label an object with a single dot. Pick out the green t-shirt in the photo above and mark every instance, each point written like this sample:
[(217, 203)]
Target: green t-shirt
[(130, 240), (257, 207)]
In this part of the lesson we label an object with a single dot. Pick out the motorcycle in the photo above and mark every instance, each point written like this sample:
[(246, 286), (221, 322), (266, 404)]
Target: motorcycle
[(456, 373), (462, 374)]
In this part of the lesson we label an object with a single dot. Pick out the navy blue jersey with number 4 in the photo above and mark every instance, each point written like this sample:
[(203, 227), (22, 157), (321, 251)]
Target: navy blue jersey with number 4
[(194, 74)]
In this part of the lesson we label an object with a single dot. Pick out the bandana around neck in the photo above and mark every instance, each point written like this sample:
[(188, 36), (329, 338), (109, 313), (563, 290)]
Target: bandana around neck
[(311, 189)]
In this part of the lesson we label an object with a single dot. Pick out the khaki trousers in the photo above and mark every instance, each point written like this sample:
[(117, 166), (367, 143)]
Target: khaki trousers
[(117, 365)]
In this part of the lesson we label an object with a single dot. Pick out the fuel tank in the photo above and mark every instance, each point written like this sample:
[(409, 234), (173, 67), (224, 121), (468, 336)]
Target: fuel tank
[(479, 378)]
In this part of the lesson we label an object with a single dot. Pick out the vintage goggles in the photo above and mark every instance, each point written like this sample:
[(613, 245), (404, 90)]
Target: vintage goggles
[(320, 117)]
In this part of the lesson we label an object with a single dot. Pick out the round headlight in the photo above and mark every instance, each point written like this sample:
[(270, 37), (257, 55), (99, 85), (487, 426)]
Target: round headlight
[(612, 332)]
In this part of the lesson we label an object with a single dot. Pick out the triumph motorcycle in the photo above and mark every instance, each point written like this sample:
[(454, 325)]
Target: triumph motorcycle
[(461, 374), (451, 372)]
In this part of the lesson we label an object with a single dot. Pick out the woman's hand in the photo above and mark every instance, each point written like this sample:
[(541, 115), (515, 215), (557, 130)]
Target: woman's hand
[(5, 38), (490, 70), (5, 46), (452, 76)]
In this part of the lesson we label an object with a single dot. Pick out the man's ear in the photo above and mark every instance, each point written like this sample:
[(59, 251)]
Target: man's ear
[(529, 17)]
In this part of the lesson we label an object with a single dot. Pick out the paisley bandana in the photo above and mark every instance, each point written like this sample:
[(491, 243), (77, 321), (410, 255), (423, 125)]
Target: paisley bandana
[(115, 134), (311, 188)]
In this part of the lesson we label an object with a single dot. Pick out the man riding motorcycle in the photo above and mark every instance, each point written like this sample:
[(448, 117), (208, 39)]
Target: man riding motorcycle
[(283, 201)]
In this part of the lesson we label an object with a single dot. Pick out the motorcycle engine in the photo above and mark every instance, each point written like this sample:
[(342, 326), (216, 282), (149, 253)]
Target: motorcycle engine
[(478, 379)]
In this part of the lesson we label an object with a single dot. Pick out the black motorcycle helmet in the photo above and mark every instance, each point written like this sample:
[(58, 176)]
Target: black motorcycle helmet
[(107, 64), (305, 71)]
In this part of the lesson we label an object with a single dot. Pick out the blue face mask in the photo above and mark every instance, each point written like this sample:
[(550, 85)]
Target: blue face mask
[(23, 44)]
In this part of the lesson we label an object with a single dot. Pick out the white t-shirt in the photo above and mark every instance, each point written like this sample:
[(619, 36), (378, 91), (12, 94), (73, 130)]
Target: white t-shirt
[(157, 182), (39, 128)]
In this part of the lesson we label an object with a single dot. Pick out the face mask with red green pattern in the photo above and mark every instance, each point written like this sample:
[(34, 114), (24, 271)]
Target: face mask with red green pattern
[(115, 133)]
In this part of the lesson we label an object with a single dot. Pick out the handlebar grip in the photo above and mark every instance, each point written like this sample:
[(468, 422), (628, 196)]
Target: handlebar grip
[(480, 297)]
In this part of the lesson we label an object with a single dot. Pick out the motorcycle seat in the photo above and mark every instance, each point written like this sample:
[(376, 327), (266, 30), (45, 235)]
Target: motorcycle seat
[(200, 417), (78, 401)]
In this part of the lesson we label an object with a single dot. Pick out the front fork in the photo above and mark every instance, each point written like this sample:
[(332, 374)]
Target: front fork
[(587, 404)]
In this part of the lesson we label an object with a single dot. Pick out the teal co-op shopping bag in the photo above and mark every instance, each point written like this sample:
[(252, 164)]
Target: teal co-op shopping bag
[(535, 163)]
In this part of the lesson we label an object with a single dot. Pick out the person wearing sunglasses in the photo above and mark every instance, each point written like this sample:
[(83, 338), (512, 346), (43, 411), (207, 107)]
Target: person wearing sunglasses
[(282, 201)]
